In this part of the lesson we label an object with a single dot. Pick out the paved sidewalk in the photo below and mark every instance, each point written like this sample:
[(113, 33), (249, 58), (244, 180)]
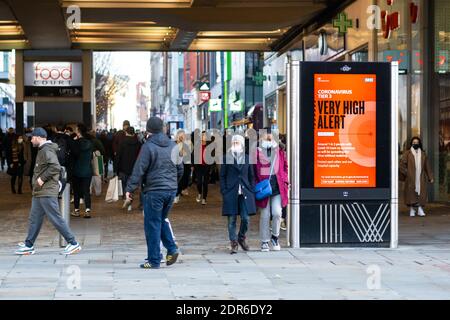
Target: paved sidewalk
[(113, 246)]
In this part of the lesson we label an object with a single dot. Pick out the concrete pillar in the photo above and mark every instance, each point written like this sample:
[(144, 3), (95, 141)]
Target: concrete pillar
[(19, 92), (88, 114)]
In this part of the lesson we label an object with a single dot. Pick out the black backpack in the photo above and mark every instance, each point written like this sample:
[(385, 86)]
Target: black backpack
[(63, 149)]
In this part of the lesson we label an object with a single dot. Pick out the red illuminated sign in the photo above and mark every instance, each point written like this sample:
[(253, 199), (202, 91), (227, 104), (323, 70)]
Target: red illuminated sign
[(391, 21)]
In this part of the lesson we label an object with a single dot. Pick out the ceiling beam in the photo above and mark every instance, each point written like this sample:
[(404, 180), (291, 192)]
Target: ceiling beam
[(183, 40), (42, 22)]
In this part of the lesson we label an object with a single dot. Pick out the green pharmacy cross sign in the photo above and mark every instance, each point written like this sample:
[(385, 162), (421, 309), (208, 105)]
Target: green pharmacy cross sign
[(259, 78), (342, 23)]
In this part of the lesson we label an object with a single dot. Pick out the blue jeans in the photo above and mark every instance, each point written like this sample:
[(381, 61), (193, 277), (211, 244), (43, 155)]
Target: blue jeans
[(245, 221), (157, 205)]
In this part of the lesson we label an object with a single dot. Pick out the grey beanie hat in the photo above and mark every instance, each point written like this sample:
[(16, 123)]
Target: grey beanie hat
[(154, 125)]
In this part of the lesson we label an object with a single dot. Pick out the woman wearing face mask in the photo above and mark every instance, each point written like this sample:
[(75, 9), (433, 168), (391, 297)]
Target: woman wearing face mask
[(415, 168), (237, 182), (16, 162), (271, 163)]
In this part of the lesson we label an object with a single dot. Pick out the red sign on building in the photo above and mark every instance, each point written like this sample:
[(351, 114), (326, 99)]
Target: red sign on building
[(205, 96)]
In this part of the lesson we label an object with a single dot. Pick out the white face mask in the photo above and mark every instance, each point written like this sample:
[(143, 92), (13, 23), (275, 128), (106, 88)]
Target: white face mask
[(236, 149), (266, 144)]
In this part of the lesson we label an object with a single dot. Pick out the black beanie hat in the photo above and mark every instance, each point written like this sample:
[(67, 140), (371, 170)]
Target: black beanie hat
[(154, 125)]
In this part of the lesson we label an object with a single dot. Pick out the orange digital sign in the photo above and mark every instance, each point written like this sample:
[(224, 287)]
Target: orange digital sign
[(344, 130)]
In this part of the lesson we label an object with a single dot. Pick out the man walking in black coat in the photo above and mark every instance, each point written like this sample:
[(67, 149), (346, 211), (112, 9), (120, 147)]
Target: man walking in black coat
[(126, 157)]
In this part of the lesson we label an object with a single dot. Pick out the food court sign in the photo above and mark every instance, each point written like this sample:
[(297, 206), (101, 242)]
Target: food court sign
[(53, 78)]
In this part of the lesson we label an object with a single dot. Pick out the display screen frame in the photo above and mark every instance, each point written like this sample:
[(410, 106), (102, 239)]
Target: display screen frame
[(382, 71)]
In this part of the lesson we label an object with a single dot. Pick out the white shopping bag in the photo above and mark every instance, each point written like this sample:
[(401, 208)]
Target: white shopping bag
[(112, 194), (120, 188), (96, 185)]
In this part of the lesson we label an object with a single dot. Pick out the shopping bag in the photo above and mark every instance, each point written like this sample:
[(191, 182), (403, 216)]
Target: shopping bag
[(96, 185), (97, 163), (120, 188), (112, 194)]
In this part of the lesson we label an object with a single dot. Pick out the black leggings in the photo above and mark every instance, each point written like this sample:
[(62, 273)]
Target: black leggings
[(202, 172), (81, 188)]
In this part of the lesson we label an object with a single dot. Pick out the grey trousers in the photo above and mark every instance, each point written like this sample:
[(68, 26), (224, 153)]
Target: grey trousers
[(49, 206), (274, 207)]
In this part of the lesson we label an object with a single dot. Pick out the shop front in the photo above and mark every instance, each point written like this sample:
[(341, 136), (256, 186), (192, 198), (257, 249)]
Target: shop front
[(416, 34)]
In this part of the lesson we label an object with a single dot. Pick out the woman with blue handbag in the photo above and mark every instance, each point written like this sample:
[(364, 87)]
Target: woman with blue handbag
[(237, 182), (271, 189)]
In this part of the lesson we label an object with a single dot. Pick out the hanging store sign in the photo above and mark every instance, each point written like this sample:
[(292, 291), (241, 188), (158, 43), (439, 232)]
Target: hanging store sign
[(237, 106), (53, 79), (205, 96), (215, 105)]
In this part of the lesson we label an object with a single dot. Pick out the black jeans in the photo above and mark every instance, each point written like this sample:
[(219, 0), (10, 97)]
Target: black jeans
[(81, 188), (184, 182), (202, 172)]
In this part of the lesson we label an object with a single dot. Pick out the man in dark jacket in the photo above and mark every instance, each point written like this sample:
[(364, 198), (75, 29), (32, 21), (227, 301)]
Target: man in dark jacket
[(126, 157), (157, 165), (45, 196)]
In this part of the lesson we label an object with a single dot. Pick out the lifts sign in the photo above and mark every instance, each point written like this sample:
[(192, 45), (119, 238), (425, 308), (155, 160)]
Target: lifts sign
[(344, 130), (53, 74)]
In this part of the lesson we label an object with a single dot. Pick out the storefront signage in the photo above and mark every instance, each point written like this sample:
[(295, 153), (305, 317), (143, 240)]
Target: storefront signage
[(345, 130), (391, 21), (53, 74), (215, 105), (237, 106), (205, 95), (342, 23), (259, 78), (204, 86), (53, 79)]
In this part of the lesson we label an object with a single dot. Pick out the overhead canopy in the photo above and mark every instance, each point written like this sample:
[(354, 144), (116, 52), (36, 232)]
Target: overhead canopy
[(160, 24)]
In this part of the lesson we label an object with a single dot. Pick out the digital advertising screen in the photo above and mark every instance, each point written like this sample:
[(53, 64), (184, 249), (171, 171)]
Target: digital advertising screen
[(345, 130)]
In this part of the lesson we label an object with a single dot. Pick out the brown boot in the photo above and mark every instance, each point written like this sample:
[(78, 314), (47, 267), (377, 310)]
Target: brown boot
[(234, 247), (243, 244)]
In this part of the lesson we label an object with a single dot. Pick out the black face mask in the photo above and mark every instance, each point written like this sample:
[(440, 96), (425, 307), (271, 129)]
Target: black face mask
[(416, 146)]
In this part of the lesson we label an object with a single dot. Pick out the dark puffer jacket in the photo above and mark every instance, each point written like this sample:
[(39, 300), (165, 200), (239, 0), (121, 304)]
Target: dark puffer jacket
[(155, 167), (47, 168)]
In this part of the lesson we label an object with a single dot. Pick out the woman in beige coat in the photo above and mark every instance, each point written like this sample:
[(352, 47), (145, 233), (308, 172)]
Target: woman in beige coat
[(416, 172)]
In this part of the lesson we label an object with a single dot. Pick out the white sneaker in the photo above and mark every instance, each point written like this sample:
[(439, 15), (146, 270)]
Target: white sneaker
[(203, 202), (412, 212), (265, 247), (177, 199), (421, 213), (199, 198), (130, 208), (23, 250), (71, 249), (275, 244), (75, 213)]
